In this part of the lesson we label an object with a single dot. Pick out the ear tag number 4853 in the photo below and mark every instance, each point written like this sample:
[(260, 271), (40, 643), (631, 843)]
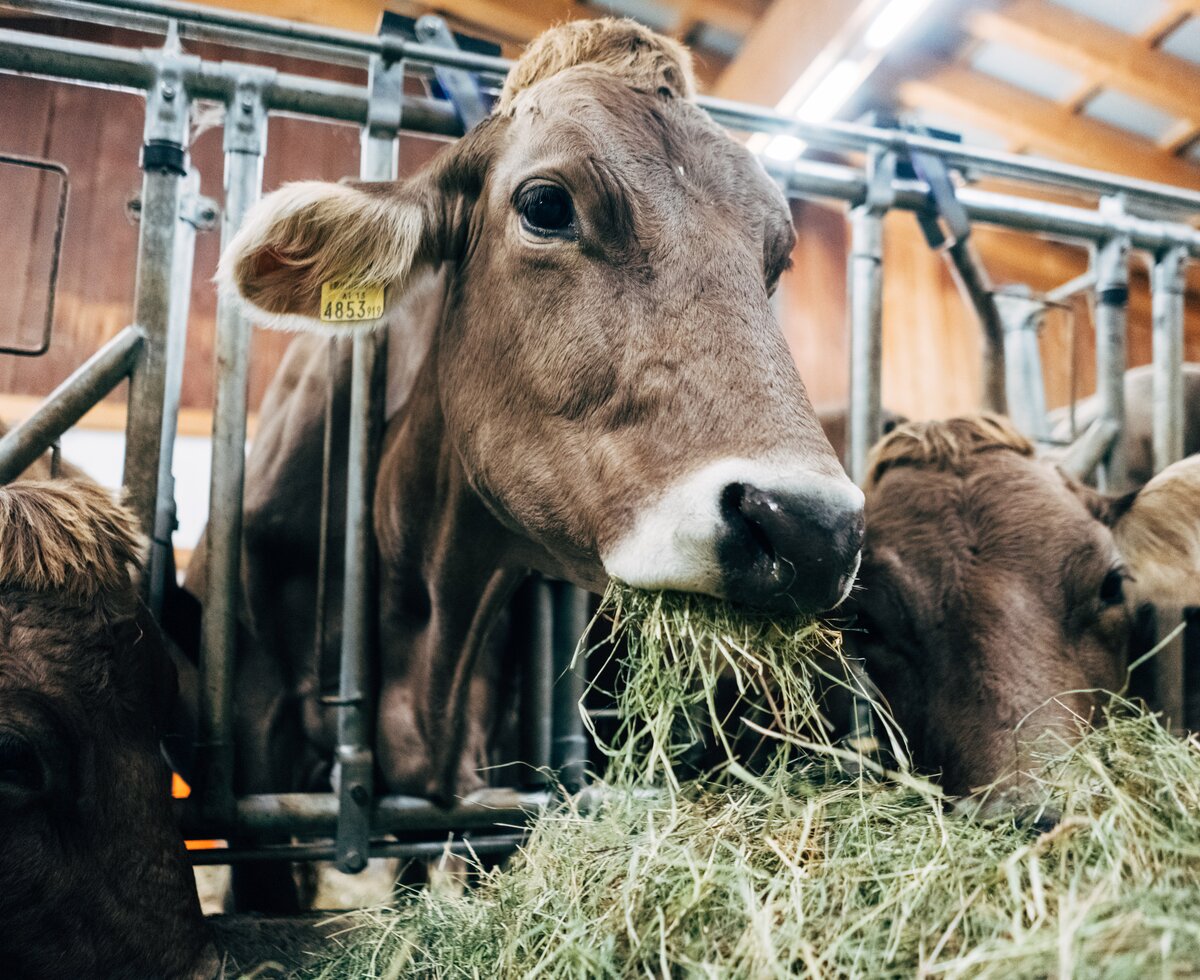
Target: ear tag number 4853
[(349, 304)]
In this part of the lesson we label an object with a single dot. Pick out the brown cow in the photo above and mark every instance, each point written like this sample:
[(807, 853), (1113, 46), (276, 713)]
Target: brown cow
[(586, 379), (93, 878), (998, 597)]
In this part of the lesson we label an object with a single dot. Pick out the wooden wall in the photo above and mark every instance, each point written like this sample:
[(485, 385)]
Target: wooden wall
[(930, 347)]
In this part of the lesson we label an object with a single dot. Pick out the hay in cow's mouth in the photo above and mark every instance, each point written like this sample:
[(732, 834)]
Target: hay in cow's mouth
[(805, 869)]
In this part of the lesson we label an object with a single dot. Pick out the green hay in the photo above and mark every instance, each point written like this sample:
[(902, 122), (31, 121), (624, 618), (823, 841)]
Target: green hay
[(804, 870)]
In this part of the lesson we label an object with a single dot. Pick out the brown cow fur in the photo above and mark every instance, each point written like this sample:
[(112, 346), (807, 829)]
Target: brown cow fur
[(93, 879)]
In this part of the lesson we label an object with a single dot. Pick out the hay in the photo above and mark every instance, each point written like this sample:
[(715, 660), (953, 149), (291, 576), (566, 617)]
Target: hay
[(806, 870)]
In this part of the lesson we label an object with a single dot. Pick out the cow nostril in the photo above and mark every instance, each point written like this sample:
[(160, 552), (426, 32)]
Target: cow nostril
[(732, 499)]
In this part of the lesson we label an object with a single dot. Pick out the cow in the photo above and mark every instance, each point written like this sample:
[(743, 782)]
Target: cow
[(585, 379), (1139, 406), (998, 598), (94, 882)]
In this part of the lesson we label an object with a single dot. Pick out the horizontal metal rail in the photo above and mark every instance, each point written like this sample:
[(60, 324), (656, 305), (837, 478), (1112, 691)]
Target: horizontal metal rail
[(491, 845), (297, 38), (69, 402), (316, 814)]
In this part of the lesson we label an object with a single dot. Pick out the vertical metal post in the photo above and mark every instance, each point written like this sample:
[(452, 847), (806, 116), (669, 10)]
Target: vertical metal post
[(1167, 283), (245, 143), (1167, 289), (150, 429), (533, 632), (865, 302), (1025, 390), (354, 757), (865, 282), (1111, 262), (568, 744)]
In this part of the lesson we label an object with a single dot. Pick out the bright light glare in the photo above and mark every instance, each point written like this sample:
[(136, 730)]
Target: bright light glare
[(832, 92), (783, 148), (892, 21)]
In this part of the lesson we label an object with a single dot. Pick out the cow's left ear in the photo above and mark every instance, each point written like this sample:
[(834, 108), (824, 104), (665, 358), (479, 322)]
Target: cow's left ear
[(321, 256), (1158, 534)]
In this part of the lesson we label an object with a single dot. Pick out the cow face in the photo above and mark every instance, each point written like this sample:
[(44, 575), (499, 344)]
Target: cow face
[(93, 880), (998, 597), (608, 367)]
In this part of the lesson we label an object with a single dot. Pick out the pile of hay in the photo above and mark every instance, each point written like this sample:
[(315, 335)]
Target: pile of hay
[(803, 869)]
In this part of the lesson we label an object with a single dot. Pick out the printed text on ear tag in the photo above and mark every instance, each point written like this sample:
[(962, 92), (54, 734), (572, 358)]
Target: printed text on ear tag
[(346, 304)]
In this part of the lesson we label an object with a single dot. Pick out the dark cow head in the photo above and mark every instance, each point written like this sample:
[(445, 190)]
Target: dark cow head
[(609, 369), (93, 880), (998, 597)]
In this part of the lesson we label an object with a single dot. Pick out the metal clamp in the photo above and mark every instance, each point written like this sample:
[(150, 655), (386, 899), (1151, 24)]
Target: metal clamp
[(385, 98), (165, 137), (460, 85), (246, 113)]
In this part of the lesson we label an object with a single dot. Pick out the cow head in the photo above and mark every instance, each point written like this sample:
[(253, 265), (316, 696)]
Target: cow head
[(607, 363), (998, 597), (93, 879)]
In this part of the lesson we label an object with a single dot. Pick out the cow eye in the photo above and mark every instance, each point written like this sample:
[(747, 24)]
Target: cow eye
[(1112, 589), (20, 767), (546, 210)]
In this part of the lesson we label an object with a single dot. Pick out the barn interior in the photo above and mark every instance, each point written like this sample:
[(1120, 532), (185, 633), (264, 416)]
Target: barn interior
[(925, 280)]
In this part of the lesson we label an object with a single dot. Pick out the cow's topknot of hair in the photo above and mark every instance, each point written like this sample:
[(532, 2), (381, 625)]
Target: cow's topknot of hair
[(636, 54), (67, 537), (944, 444)]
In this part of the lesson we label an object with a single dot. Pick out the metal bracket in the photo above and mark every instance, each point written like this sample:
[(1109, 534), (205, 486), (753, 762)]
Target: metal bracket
[(461, 86), (165, 137), (246, 113), (199, 211), (881, 181), (385, 98)]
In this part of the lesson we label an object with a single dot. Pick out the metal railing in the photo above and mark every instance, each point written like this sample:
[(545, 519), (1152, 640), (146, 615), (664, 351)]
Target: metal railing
[(150, 351)]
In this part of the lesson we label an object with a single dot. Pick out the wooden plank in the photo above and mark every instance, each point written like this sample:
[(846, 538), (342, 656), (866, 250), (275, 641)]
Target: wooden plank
[(1042, 125), (109, 416), (788, 40), (1104, 55), (349, 15)]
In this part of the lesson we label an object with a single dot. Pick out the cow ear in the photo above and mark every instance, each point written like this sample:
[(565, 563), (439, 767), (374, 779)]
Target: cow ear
[(361, 242), (1158, 534)]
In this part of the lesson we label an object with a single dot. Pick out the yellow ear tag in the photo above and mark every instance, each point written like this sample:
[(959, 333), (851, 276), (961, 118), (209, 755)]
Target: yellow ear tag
[(348, 304)]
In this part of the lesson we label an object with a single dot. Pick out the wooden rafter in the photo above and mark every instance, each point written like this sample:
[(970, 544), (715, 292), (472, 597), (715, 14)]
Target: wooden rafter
[(786, 41), (1104, 56), (1043, 126)]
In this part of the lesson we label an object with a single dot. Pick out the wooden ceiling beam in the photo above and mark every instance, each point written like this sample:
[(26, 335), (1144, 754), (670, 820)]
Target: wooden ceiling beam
[(786, 41), (1042, 125), (1102, 54)]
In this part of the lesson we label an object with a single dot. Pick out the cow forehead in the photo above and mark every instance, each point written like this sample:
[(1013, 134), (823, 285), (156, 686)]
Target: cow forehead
[(1001, 513), (588, 115)]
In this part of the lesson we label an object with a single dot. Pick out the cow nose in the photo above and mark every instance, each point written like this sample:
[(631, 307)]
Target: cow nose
[(791, 550)]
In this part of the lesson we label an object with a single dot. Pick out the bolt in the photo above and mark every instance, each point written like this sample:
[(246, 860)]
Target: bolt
[(208, 214), (353, 861), (168, 92), (247, 104), (358, 793)]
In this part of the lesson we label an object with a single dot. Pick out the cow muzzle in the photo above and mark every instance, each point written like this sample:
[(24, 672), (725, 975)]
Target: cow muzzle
[(782, 538)]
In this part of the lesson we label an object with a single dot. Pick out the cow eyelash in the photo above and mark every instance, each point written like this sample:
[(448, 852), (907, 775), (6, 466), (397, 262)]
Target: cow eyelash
[(546, 211)]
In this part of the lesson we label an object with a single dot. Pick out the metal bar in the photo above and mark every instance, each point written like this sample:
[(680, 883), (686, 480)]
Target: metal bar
[(1021, 316), (244, 145), (353, 756), (60, 220), (735, 115), (431, 850), (568, 744), (69, 402), (460, 85), (865, 300), (312, 814), (150, 428), (1168, 287), (976, 287), (1110, 261), (533, 617)]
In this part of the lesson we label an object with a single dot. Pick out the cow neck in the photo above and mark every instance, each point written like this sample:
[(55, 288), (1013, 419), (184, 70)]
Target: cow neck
[(446, 573)]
